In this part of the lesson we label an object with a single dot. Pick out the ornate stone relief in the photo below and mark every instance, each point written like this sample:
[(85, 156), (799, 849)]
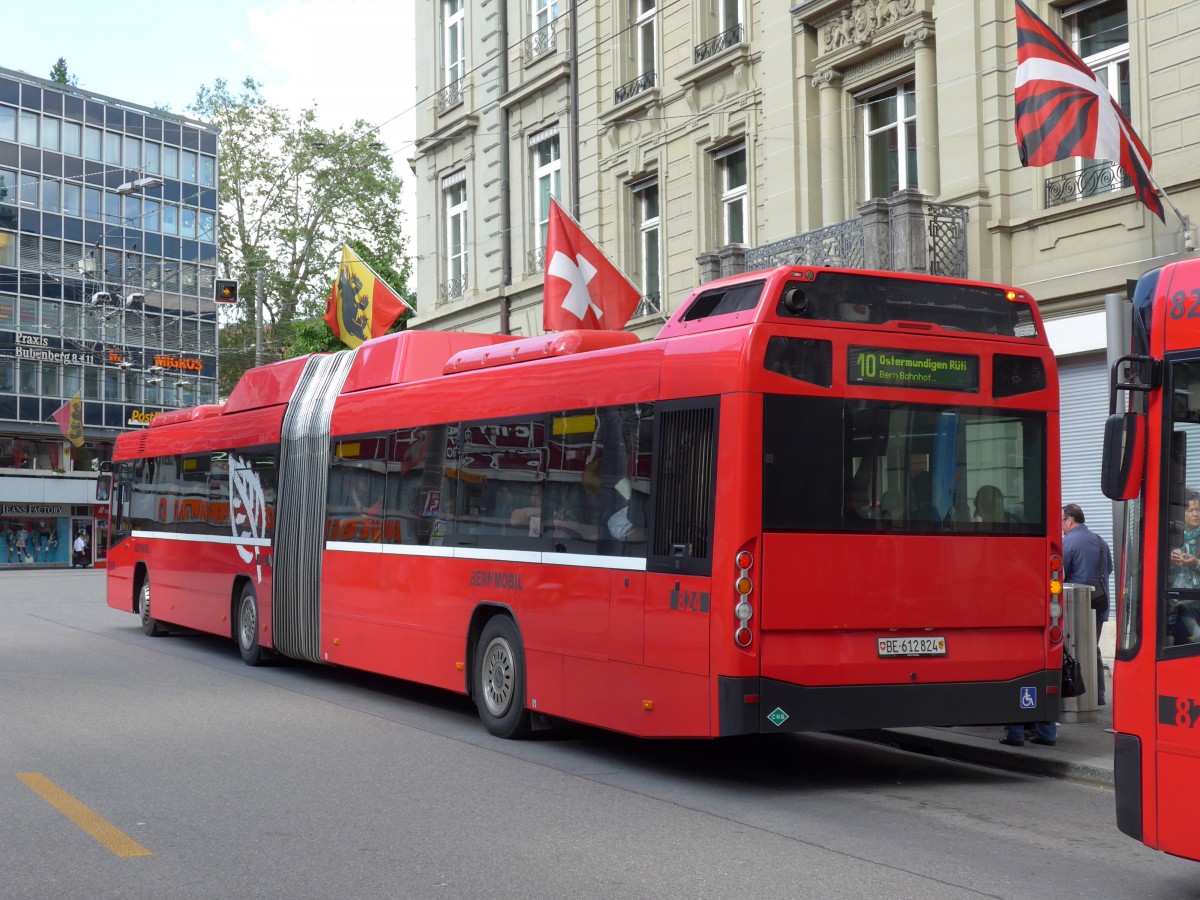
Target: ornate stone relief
[(857, 24)]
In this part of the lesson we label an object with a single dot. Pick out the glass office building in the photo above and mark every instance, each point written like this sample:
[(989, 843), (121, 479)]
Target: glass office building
[(108, 256)]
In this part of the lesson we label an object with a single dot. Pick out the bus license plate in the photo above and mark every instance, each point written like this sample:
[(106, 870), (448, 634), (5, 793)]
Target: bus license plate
[(912, 646)]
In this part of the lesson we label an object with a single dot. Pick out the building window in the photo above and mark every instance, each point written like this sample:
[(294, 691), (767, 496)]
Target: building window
[(547, 175), (645, 211), (890, 118), (642, 52), (455, 15), (732, 182), (544, 12), (29, 128), (454, 196)]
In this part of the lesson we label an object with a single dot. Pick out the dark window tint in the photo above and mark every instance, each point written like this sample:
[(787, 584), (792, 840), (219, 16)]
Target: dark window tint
[(685, 484), (838, 465), (738, 298), (801, 358), (878, 300)]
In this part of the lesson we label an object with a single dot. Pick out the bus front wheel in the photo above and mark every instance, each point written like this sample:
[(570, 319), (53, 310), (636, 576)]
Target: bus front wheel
[(150, 625), (500, 679), (247, 627)]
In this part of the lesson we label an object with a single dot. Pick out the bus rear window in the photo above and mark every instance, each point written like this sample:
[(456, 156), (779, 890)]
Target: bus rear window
[(878, 299), (855, 465)]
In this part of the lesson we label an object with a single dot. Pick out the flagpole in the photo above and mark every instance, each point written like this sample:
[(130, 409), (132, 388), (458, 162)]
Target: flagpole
[(1188, 246), (377, 277)]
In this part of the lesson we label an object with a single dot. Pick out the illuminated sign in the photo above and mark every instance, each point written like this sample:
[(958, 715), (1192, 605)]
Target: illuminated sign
[(139, 417), (921, 369), (179, 362)]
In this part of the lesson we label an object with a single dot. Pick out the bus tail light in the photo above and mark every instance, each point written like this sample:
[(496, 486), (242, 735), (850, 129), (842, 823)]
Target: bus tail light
[(1056, 604), (744, 587)]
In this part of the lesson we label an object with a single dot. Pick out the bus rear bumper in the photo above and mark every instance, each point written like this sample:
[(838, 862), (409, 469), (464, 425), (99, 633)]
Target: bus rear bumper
[(760, 705)]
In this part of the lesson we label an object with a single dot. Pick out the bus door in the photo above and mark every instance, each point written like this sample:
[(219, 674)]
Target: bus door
[(1177, 662)]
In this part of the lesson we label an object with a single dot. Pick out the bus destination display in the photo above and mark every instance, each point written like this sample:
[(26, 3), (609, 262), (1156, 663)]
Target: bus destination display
[(913, 369)]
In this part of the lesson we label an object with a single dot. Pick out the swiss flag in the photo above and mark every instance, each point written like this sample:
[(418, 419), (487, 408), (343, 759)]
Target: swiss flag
[(583, 289)]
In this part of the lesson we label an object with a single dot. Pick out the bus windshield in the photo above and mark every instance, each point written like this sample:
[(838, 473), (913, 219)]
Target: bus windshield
[(897, 466)]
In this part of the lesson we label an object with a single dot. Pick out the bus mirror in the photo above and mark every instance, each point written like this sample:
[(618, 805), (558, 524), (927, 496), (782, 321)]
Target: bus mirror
[(1124, 454), (103, 487)]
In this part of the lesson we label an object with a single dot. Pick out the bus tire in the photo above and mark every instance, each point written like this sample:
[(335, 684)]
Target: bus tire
[(500, 680), (246, 627), (151, 627)]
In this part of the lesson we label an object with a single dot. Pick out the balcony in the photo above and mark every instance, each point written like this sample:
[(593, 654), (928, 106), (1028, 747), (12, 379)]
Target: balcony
[(906, 233), (715, 45), (451, 95), (649, 305), (630, 89), (451, 290), (541, 43), (1091, 180), (535, 261)]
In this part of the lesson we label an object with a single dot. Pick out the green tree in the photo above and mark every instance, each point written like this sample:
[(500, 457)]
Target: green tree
[(59, 73), (292, 193)]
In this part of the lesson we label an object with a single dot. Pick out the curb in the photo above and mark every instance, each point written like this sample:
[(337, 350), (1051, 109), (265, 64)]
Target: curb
[(1044, 761)]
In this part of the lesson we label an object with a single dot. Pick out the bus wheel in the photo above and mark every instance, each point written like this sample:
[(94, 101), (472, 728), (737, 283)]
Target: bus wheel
[(247, 627), (500, 679), (150, 625)]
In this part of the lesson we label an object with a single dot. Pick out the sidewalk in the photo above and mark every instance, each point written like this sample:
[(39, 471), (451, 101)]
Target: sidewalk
[(1083, 752)]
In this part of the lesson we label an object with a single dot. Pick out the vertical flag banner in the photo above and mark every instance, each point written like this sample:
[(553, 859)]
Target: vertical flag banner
[(69, 417), (361, 305), (1064, 110), (583, 288)]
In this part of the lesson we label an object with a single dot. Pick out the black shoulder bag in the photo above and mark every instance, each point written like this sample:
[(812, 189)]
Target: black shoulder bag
[(1072, 676)]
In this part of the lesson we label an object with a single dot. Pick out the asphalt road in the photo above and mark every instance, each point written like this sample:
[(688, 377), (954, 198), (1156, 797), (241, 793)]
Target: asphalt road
[(138, 767)]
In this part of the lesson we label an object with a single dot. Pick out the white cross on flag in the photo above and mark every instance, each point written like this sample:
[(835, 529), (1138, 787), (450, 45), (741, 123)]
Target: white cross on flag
[(583, 289)]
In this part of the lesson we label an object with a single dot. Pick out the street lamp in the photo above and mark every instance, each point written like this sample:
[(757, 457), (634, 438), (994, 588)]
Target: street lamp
[(139, 184)]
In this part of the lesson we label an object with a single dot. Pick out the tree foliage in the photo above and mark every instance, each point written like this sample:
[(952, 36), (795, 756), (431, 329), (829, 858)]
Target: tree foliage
[(292, 193), (59, 73)]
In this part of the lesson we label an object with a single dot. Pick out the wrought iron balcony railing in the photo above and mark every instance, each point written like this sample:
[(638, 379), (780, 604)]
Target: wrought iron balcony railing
[(540, 43), (1089, 181), (535, 260), (451, 95), (451, 290), (722, 41), (643, 82), (649, 305)]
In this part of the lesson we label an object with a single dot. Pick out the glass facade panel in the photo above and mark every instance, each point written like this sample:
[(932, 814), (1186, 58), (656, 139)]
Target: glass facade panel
[(72, 135), (112, 148), (50, 192), (133, 152), (8, 123), (170, 162), (93, 140), (72, 199), (50, 133), (29, 128), (188, 172), (153, 156), (208, 171)]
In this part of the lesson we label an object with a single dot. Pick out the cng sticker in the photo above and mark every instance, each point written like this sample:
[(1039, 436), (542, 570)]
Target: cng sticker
[(777, 716)]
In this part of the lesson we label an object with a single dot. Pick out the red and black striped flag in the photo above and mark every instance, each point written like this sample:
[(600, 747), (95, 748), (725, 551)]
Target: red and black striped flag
[(1064, 110)]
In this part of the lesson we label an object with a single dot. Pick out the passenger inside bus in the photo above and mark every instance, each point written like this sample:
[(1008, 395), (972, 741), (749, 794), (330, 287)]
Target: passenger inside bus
[(1183, 621), (989, 505), (530, 515)]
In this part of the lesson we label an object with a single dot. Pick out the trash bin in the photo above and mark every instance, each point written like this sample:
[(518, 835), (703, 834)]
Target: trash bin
[(1080, 642)]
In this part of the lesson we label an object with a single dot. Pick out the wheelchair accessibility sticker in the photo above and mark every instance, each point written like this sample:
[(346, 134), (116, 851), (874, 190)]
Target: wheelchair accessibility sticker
[(1028, 698)]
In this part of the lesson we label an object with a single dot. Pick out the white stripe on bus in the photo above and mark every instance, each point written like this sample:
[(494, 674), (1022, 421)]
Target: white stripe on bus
[(584, 560)]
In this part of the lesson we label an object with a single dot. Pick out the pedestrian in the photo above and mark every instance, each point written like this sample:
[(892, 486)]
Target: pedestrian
[(80, 546), (1087, 559)]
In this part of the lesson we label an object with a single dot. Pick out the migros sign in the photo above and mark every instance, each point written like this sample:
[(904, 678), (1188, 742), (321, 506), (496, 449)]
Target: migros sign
[(179, 362)]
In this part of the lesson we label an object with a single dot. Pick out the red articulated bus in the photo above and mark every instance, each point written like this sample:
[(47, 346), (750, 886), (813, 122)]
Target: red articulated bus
[(819, 499), (1152, 460)]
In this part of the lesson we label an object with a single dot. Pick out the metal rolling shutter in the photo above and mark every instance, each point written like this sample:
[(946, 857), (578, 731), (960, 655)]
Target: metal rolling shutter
[(1083, 386)]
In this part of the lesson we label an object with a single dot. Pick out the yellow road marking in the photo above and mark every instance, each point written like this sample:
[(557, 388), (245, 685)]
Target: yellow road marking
[(106, 833)]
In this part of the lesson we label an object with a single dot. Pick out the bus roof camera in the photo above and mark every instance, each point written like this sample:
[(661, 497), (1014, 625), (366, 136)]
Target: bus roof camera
[(795, 301)]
